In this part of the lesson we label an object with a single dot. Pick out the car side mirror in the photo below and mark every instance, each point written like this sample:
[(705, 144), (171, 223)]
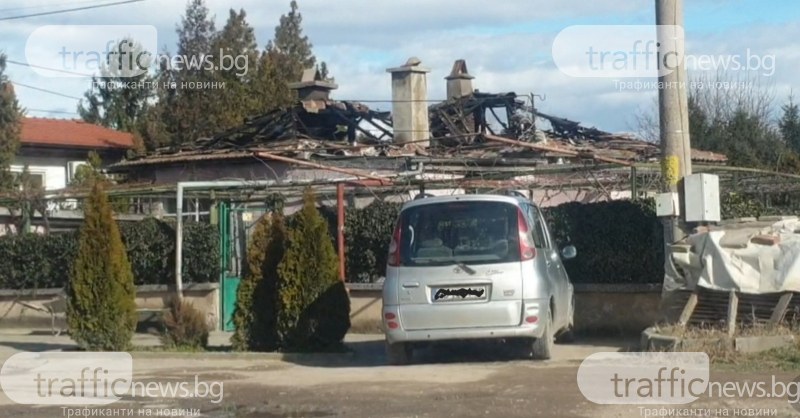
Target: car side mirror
[(569, 252)]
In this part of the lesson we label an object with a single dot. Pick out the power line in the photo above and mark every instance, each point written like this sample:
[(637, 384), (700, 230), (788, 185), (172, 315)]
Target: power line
[(42, 6), (523, 98), (52, 12), (25, 64), (46, 90), (393, 101), (64, 112)]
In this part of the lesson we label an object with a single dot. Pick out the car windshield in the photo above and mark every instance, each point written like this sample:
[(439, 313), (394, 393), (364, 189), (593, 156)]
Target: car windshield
[(460, 232)]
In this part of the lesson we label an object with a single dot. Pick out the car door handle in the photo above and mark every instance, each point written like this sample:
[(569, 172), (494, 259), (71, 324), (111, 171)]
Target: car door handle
[(410, 285)]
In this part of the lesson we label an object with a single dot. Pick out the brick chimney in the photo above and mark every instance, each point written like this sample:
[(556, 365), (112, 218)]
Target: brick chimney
[(409, 103), (459, 82), (312, 87)]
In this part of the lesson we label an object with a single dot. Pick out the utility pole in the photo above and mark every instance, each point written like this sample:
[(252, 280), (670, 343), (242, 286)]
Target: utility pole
[(673, 104)]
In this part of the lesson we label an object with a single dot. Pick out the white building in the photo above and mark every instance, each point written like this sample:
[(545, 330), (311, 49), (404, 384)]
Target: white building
[(53, 148)]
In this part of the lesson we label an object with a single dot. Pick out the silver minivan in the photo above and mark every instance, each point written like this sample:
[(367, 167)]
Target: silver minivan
[(474, 267)]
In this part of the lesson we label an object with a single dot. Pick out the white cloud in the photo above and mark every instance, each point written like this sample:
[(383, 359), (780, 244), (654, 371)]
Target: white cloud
[(507, 46)]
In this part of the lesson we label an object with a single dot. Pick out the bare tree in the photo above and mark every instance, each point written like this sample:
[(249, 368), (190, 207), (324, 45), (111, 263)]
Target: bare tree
[(721, 95), (718, 97), (27, 200), (645, 122)]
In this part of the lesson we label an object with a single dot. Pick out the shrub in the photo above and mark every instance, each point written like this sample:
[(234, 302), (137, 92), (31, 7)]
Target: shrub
[(151, 249), (256, 299), (608, 236), (33, 261), (735, 205), (101, 311), (618, 241), (368, 232), (326, 321), (200, 252), (314, 308), (184, 326)]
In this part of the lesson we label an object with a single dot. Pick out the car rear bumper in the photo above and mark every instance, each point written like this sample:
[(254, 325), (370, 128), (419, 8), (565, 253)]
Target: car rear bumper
[(395, 336), (523, 330)]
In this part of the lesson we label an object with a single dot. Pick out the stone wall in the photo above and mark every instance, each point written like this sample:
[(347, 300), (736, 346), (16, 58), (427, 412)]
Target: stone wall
[(27, 309)]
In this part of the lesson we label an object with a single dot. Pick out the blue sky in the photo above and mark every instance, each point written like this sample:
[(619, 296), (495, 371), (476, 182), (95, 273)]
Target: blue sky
[(508, 45)]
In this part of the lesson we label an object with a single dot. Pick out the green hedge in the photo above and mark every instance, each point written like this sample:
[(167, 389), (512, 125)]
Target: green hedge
[(617, 242), (34, 261), (744, 205), (367, 234)]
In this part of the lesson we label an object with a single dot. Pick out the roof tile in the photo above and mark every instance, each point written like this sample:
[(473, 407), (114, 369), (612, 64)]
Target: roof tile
[(72, 133)]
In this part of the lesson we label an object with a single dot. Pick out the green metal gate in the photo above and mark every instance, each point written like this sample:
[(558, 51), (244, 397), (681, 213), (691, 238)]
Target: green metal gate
[(235, 221), (229, 279)]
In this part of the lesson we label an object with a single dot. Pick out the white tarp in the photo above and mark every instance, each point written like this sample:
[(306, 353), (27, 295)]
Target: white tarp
[(726, 258)]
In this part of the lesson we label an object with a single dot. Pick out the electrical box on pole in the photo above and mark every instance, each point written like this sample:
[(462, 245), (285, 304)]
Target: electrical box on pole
[(668, 205), (702, 198)]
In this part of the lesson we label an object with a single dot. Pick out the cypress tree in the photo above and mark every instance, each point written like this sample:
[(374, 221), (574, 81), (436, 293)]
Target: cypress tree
[(101, 310), (256, 299), (10, 127), (314, 309), (790, 124)]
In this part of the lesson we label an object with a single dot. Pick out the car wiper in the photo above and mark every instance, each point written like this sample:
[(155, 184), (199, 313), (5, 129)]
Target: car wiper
[(464, 267), (452, 261)]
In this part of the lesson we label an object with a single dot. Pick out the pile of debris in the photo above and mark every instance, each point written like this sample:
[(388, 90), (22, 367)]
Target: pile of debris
[(319, 127)]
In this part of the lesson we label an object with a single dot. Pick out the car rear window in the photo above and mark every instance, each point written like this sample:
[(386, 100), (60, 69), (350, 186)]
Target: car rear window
[(468, 232)]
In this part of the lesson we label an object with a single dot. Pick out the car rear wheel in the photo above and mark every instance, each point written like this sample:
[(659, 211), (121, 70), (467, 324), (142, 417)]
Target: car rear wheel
[(568, 334), (543, 346), (398, 353)]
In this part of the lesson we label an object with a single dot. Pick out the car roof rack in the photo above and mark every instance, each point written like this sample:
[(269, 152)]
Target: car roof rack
[(504, 192)]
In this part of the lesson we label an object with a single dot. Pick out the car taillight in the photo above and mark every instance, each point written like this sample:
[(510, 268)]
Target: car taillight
[(394, 248), (527, 250)]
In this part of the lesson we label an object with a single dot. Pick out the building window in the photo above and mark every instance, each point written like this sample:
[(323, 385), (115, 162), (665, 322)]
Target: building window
[(72, 169), (36, 179)]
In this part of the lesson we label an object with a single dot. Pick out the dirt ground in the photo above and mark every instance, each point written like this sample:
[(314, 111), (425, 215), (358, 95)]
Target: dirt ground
[(447, 381)]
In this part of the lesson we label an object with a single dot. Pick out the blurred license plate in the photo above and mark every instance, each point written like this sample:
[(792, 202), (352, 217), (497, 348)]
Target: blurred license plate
[(459, 293)]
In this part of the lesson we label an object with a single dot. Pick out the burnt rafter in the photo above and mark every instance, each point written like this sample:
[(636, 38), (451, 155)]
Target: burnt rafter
[(313, 119), (569, 129), (313, 116), (460, 117)]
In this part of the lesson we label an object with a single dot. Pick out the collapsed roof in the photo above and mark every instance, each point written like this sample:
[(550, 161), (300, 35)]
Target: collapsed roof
[(317, 126)]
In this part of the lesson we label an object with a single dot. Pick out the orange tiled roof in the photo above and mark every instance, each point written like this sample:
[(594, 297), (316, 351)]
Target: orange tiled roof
[(72, 133)]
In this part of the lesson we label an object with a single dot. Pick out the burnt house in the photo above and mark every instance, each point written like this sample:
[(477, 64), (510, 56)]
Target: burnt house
[(485, 139)]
